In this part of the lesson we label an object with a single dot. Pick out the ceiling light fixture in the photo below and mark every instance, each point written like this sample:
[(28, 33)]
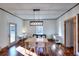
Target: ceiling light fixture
[(35, 12), (36, 22)]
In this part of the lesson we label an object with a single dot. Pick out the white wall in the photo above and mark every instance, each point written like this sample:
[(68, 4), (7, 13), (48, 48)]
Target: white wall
[(68, 15), (5, 19), (60, 21), (49, 27)]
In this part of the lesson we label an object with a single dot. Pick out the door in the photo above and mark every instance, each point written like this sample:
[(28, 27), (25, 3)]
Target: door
[(74, 30), (12, 33)]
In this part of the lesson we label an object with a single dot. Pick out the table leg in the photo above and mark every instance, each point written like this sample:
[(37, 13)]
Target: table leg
[(25, 47), (36, 48), (45, 48)]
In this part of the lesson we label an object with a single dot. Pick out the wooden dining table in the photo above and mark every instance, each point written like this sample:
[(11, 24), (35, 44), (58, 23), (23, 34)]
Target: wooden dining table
[(35, 40)]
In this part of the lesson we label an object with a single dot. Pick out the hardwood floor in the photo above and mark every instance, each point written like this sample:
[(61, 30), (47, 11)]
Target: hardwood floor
[(69, 52), (11, 51)]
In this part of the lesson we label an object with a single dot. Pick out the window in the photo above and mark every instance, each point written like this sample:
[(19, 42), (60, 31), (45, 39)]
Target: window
[(38, 26), (39, 29)]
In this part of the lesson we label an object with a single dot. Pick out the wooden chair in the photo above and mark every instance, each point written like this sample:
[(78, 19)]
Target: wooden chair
[(32, 46)]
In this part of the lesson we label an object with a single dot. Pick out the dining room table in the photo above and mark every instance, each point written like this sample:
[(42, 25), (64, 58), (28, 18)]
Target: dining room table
[(35, 40)]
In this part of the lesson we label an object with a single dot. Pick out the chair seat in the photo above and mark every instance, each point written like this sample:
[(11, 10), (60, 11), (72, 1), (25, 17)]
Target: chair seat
[(40, 44)]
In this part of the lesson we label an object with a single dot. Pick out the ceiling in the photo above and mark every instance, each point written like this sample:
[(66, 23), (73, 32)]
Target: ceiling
[(47, 10)]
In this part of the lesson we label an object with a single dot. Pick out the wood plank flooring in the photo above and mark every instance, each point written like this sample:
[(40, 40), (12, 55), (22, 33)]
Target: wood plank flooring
[(11, 51)]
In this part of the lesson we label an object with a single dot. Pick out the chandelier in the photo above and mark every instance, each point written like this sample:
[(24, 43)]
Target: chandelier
[(36, 22)]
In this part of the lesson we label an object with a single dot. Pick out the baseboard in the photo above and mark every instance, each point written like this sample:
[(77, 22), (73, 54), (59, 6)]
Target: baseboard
[(4, 49)]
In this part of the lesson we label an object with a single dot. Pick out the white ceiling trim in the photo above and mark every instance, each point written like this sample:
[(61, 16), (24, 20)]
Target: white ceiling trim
[(48, 10)]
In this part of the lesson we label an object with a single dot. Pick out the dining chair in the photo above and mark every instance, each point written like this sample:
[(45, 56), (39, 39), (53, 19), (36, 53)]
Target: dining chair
[(40, 48), (32, 46)]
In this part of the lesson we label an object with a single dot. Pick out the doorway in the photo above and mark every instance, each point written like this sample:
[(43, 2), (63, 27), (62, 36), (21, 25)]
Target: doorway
[(12, 33), (70, 34)]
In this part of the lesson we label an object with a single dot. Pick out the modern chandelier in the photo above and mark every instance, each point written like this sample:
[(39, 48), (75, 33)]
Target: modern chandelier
[(36, 22)]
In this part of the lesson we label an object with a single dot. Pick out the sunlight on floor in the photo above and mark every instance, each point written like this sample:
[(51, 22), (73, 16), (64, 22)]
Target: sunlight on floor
[(25, 52), (12, 51)]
